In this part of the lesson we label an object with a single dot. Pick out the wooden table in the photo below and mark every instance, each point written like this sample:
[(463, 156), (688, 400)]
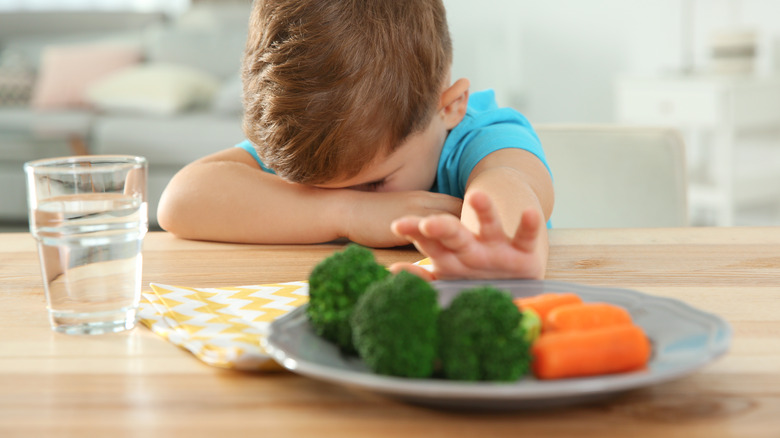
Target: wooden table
[(137, 384)]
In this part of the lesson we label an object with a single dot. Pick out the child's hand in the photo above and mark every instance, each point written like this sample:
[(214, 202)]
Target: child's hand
[(457, 253)]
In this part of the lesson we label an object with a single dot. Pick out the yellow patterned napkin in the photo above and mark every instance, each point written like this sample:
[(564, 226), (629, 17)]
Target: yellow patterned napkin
[(221, 326), (425, 263)]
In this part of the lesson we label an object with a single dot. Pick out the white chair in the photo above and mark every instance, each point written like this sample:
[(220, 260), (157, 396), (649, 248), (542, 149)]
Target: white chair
[(616, 176)]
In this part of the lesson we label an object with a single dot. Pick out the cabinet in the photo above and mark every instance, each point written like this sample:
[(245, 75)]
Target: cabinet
[(713, 114)]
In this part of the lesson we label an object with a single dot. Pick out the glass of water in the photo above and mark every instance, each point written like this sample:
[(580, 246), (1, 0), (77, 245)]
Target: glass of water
[(89, 216)]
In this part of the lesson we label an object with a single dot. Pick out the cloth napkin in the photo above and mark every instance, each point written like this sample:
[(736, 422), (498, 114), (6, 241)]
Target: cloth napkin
[(223, 326)]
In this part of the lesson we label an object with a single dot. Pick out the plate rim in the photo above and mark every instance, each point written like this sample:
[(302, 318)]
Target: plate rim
[(516, 390)]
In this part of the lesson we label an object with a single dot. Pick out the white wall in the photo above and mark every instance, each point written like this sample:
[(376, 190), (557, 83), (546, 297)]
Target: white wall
[(556, 59)]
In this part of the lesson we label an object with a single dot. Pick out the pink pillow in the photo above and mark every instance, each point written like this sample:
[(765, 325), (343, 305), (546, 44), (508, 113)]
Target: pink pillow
[(67, 71)]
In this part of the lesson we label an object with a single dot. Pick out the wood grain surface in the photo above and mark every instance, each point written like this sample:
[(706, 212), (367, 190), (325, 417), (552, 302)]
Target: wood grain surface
[(137, 384)]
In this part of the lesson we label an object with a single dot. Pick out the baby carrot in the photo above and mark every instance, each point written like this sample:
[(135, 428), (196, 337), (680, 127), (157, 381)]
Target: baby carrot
[(585, 316), (590, 352), (543, 303)]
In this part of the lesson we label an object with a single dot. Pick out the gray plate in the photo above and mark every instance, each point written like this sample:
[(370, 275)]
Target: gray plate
[(684, 339)]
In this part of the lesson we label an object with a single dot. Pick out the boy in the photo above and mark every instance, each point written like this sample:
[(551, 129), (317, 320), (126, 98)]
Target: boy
[(355, 130)]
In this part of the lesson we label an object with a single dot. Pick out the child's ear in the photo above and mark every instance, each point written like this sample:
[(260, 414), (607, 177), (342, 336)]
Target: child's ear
[(454, 101)]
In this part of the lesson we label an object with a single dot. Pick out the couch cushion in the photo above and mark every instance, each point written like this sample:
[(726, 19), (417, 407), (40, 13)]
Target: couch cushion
[(45, 124), (16, 79), (228, 100), (208, 37), (55, 24), (16, 149), (29, 31), (13, 198), (166, 140), (26, 134), (67, 71), (154, 89)]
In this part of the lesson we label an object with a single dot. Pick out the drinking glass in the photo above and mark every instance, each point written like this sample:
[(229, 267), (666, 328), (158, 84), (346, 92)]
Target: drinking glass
[(89, 217)]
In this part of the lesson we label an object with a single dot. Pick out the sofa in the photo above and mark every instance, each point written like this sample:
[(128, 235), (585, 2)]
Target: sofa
[(166, 88)]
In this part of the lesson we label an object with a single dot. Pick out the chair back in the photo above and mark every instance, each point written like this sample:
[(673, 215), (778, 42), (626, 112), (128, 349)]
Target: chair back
[(616, 176)]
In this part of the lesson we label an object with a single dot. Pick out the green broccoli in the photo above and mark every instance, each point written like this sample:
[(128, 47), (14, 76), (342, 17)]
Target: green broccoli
[(394, 326), (481, 337), (335, 285), (532, 325)]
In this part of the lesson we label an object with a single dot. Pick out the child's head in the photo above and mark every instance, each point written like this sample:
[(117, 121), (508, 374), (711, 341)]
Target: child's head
[(330, 85)]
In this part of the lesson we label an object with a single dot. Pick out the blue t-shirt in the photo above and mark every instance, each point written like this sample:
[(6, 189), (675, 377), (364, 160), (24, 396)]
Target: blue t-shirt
[(484, 129), (247, 146)]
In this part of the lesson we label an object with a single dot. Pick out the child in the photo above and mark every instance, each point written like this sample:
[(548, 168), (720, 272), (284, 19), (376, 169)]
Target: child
[(355, 130)]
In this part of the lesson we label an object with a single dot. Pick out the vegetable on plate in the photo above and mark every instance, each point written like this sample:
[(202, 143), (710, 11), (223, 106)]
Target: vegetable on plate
[(585, 316), (482, 337), (542, 304), (581, 353), (394, 326), (335, 285)]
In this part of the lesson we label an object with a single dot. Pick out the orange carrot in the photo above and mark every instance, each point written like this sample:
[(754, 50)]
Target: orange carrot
[(543, 303), (585, 316), (605, 350)]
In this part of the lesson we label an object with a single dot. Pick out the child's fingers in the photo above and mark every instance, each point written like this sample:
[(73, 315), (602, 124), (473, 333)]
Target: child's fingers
[(489, 224), (407, 226), (410, 228), (447, 231), (528, 230)]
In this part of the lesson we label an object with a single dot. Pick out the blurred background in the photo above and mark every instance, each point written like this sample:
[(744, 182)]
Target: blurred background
[(160, 78)]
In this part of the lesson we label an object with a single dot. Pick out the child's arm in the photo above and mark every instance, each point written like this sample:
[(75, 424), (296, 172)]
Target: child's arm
[(502, 231), (227, 197)]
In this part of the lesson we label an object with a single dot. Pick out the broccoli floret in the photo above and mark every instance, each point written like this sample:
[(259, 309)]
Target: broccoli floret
[(532, 325), (394, 326), (481, 337), (335, 285)]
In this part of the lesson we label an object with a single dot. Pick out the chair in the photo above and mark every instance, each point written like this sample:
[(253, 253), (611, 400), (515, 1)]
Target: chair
[(616, 176)]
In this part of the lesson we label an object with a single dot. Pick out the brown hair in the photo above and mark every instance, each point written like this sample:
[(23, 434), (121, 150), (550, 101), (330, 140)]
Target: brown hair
[(328, 84)]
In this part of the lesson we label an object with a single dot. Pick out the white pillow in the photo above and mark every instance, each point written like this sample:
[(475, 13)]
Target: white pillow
[(157, 89), (68, 71)]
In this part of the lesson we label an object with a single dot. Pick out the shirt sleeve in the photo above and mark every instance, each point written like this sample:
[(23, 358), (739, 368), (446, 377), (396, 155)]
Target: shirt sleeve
[(488, 139), (250, 148), (483, 141)]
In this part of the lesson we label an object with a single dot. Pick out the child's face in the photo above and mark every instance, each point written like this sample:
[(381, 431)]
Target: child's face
[(412, 166)]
